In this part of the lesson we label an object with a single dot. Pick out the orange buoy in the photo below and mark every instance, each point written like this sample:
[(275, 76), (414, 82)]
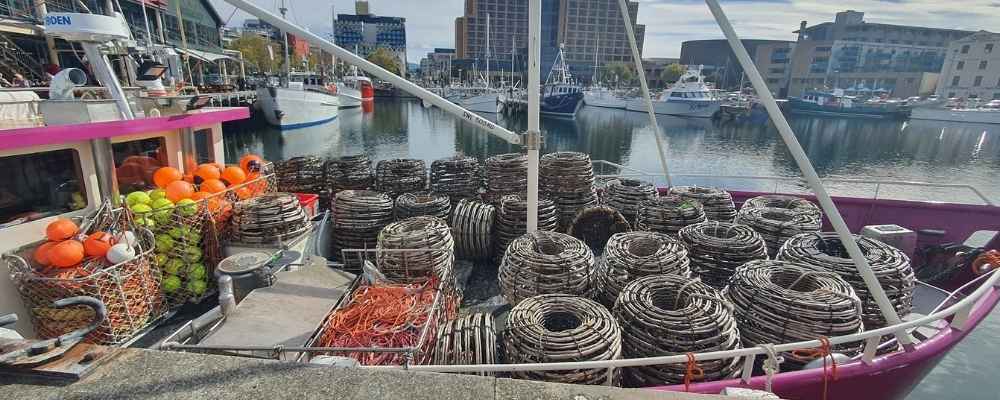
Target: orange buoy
[(200, 196), (66, 254), (97, 244), (251, 163), (234, 175), (206, 172), (166, 175), (41, 255), (61, 229), (244, 193), (179, 190), (212, 186)]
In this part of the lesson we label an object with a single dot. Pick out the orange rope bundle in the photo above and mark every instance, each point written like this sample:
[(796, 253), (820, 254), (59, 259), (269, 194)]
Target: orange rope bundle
[(991, 257), (381, 315), (825, 350), (693, 371)]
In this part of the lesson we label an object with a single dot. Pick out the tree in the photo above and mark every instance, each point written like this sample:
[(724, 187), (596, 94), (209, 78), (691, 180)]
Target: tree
[(671, 73), (618, 73), (385, 59), (255, 54)]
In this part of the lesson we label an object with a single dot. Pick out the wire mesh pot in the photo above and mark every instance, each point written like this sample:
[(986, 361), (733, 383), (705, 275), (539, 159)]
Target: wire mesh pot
[(358, 216), (349, 173), (401, 175), (890, 265), (472, 226), (269, 218), (781, 302), (718, 203), (668, 214), (791, 203), (301, 175), (777, 225), (567, 178), (433, 255), (471, 339), (595, 225), (632, 255), (457, 177), (626, 196), (546, 263), (417, 204), (512, 220), (669, 314), (716, 249), (563, 328), (506, 174)]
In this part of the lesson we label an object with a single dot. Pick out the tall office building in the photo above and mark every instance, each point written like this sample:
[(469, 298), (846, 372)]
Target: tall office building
[(365, 32), (972, 68), (583, 27)]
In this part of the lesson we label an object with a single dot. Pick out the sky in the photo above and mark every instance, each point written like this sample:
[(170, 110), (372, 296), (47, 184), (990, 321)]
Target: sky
[(430, 23)]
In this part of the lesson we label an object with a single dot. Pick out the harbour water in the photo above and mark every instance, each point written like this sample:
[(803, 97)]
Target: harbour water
[(924, 151)]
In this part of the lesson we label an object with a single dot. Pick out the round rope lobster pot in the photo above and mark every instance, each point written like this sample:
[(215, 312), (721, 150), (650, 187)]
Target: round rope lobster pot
[(567, 178), (472, 226), (546, 263), (456, 177), (782, 302), (563, 328), (716, 249), (468, 340), (792, 203), (890, 265), (435, 256), (626, 195), (668, 214), (358, 217), (718, 203), (663, 315), (350, 173), (401, 175), (506, 174), (777, 225), (410, 205), (595, 225), (632, 255), (300, 175), (268, 218), (512, 220)]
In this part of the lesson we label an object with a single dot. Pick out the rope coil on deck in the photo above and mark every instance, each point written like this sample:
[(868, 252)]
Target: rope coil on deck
[(563, 328), (506, 174), (668, 214), (512, 220), (791, 203), (546, 263), (777, 225), (781, 302), (423, 232), (358, 216), (890, 265), (472, 226), (567, 178), (671, 314), (626, 196), (457, 177), (595, 225), (632, 255), (718, 203), (401, 175), (717, 249), (268, 218), (415, 204), (468, 340)]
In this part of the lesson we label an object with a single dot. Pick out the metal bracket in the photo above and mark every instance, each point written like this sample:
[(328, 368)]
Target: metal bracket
[(532, 140)]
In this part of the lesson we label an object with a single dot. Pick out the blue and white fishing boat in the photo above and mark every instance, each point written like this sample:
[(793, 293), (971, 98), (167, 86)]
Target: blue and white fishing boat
[(560, 95), (690, 96)]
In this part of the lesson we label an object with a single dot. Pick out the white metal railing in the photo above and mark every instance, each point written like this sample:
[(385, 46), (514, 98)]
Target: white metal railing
[(877, 184)]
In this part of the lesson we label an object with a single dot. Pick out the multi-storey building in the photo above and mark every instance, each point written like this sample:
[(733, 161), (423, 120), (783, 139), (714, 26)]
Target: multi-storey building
[(363, 32), (773, 61), (717, 59), (972, 68), (850, 53), (437, 64)]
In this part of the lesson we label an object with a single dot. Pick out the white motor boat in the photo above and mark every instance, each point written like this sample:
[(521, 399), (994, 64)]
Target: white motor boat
[(604, 97), (305, 100), (688, 97), (985, 114), (477, 100), (354, 90)]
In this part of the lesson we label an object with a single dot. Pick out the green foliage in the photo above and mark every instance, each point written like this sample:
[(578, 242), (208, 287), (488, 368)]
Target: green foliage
[(385, 59), (618, 73), (255, 55), (671, 73)]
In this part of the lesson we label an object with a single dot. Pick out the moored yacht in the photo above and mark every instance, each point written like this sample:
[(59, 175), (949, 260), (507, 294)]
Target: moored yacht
[(690, 96), (305, 100), (601, 96), (988, 113)]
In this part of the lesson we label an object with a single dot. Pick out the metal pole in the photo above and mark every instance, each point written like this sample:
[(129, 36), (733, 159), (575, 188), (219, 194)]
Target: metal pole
[(645, 90), (534, 135), (836, 220), (379, 72), (50, 42), (284, 35)]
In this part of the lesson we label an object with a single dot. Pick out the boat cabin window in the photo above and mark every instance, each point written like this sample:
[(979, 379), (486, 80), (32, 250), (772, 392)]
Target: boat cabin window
[(203, 146), (40, 185), (137, 160)]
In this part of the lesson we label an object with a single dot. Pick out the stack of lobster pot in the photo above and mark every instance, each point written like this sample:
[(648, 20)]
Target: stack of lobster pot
[(512, 220), (717, 249), (472, 226), (718, 203), (506, 174), (626, 196), (544, 263), (456, 177), (567, 178), (435, 256), (358, 216), (668, 214), (410, 205), (268, 218), (777, 225), (632, 255), (300, 175), (350, 173), (791, 203), (400, 175)]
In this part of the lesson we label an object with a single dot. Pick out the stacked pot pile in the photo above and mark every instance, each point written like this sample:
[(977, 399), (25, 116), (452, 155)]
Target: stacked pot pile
[(626, 196), (567, 178), (718, 203), (415, 204), (350, 173), (716, 249), (545, 263), (358, 216), (668, 214), (664, 315), (790, 203), (268, 218), (506, 174), (511, 220), (890, 265), (630, 256), (400, 175), (563, 328), (456, 177), (301, 175), (423, 232), (472, 226), (783, 302), (777, 225), (468, 340)]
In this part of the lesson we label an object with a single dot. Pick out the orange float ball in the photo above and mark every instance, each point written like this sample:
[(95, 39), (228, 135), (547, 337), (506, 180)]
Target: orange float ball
[(206, 172), (251, 163), (61, 229), (42, 253), (212, 186), (200, 196), (97, 244), (66, 254), (244, 193), (189, 178), (165, 176), (234, 175), (179, 190)]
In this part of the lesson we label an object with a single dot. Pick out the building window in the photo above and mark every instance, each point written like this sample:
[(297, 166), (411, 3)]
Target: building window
[(951, 95), (989, 48), (978, 81), (911, 80), (965, 49), (39, 185), (824, 49), (955, 80), (996, 96), (960, 65), (982, 64)]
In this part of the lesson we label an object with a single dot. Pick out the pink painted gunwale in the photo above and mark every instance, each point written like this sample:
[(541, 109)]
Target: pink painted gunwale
[(46, 135)]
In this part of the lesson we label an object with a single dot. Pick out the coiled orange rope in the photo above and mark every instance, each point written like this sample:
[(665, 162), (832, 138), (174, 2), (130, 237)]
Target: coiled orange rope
[(693, 371), (825, 350), (991, 257)]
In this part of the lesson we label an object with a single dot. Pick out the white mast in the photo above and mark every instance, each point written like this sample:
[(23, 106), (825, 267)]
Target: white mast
[(597, 46), (487, 50), (532, 140), (284, 36)]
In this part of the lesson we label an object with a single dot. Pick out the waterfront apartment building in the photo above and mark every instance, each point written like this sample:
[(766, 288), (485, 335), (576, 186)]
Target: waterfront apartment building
[(436, 65), (363, 32), (850, 53), (718, 61), (972, 68), (773, 60), (584, 27)]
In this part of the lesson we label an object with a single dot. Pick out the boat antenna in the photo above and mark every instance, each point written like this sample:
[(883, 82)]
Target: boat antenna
[(812, 178), (487, 50)]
